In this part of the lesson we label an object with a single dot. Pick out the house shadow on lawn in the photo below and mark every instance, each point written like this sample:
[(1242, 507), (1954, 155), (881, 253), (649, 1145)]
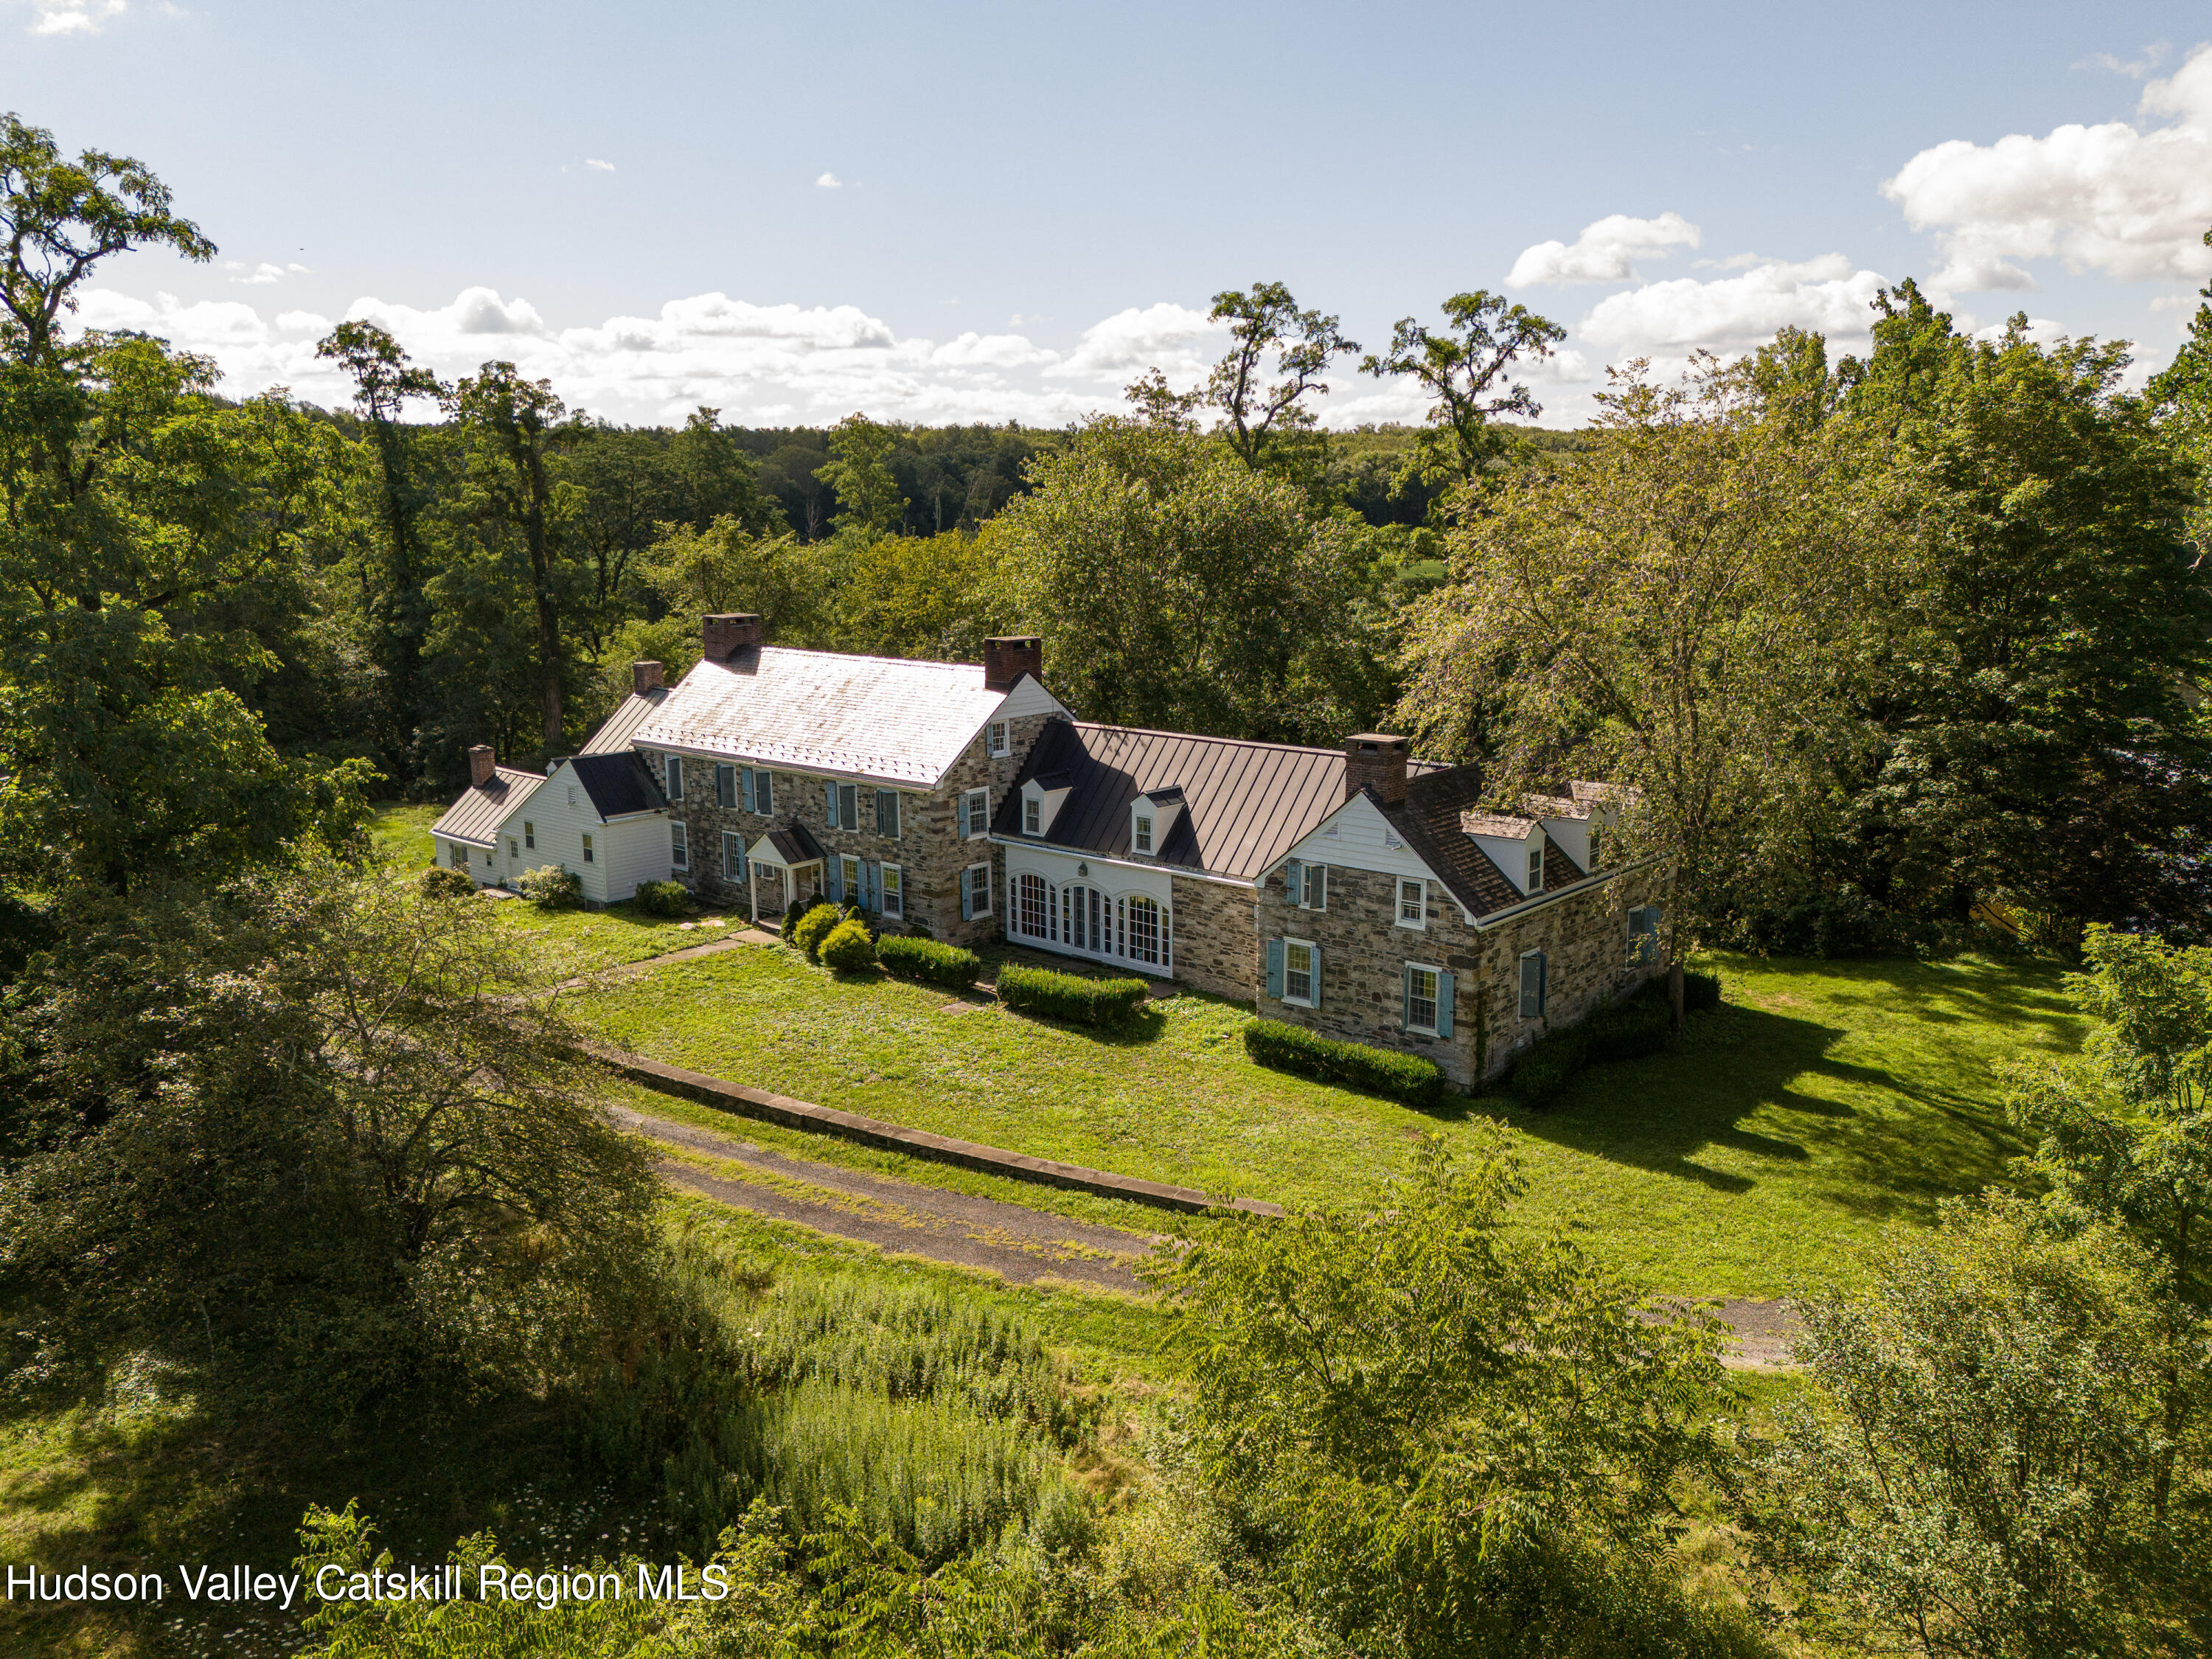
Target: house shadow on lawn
[(1889, 1140)]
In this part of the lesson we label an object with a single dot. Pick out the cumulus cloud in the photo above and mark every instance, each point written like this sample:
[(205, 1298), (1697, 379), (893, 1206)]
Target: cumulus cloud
[(1163, 336), (1604, 253), (74, 16), (2153, 56), (2130, 200), (829, 181), (598, 166), (1735, 313), (263, 274)]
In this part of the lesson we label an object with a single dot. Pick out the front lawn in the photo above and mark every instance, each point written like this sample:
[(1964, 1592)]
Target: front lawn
[(1827, 1099)]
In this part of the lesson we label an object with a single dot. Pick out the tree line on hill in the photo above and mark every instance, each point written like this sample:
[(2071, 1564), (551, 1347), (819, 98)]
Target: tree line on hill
[(1880, 642)]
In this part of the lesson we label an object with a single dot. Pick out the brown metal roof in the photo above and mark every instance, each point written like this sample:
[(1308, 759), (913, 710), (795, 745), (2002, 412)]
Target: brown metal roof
[(1245, 804), (475, 817), (614, 735)]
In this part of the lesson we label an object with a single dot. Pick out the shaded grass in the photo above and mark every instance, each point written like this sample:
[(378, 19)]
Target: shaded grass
[(1763, 1155)]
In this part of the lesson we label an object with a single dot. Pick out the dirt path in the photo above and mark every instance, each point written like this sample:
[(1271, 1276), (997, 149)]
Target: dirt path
[(1023, 1246)]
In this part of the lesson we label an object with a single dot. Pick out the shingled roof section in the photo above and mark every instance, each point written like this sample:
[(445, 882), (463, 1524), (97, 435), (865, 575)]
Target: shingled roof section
[(1244, 804), (618, 785), (1433, 822), (475, 818), (884, 718), (613, 737)]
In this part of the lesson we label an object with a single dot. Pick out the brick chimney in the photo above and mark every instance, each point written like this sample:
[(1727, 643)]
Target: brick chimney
[(1374, 760), (724, 635), (1008, 657), (645, 676), (482, 768)]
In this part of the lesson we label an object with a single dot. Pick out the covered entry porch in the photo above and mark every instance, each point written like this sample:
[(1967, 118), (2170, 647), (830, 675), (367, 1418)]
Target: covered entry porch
[(782, 868)]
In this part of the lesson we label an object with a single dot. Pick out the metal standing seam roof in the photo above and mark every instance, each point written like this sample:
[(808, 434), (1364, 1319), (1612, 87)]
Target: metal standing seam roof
[(475, 818), (879, 717), (1245, 804), (614, 733)]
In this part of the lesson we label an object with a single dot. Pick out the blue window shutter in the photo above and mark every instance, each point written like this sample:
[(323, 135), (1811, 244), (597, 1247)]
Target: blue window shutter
[(1294, 881), (829, 790), (1405, 999), (1317, 976), (967, 904), (1543, 980), (1443, 1005), (1275, 969), (1321, 883), (835, 874), (960, 809), (745, 786)]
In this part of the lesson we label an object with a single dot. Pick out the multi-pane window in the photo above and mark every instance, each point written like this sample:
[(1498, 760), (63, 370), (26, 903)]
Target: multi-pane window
[(887, 812), (848, 872), (514, 851), (459, 854), (676, 777), (733, 856), (1413, 903), (1537, 868), (1144, 930), (1142, 838), (1298, 971), (679, 846), (977, 880), (1032, 817), (894, 892), (1033, 905), (1315, 880), (587, 844), (974, 813), (529, 833), (1420, 998), (998, 744)]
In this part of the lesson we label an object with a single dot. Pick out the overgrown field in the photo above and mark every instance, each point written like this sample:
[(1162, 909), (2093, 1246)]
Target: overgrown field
[(1825, 1099)]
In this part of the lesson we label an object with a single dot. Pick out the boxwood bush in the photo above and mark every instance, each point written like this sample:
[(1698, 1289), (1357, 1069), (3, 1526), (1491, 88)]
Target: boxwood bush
[(1413, 1079), (848, 949), (443, 881), (662, 898), (815, 926), (926, 960), (1070, 997), (551, 888)]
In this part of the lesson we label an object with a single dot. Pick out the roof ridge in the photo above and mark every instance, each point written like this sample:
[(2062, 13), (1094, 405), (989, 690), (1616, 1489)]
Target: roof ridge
[(1202, 737), (862, 656)]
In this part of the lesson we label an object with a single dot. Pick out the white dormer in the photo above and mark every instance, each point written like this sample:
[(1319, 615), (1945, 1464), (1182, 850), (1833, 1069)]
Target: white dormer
[(1152, 818), (1582, 822), (1514, 844), (1042, 800)]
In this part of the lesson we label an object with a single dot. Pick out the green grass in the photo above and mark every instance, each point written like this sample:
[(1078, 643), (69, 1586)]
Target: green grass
[(400, 832), (1829, 1099)]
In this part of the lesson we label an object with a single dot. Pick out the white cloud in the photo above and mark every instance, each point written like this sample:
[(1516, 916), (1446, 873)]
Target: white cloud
[(1735, 313), (1164, 336), (1604, 253), (829, 181), (2152, 56), (74, 16), (263, 274), (2131, 202), (598, 165)]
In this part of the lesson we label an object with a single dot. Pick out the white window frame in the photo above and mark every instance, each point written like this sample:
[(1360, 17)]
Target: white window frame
[(1032, 816), (530, 835), (1313, 959), (679, 844), (763, 791), (977, 888), (978, 823), (848, 877), (1311, 875), (587, 846), (1436, 997), (892, 891), (1000, 739), (1141, 820), (732, 839), (456, 856), (1536, 867), (514, 847), (1420, 923), (896, 832)]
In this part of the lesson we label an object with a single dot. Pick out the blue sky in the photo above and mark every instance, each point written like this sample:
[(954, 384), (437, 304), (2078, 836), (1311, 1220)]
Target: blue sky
[(998, 212)]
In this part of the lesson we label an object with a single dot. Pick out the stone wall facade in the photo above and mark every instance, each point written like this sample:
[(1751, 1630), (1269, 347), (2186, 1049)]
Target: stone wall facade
[(928, 849), (1364, 952), (1217, 944)]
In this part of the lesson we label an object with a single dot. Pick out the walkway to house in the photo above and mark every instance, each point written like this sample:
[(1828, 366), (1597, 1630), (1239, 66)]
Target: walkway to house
[(1022, 1245)]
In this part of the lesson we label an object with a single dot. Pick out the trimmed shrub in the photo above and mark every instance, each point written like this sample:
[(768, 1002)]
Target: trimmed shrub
[(926, 960), (1067, 996), (815, 926), (1643, 1026), (1413, 1079), (443, 881), (848, 949), (662, 898), (551, 888), (791, 916)]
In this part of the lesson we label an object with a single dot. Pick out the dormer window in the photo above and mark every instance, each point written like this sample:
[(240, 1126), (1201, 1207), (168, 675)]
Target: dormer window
[(1596, 846), (1032, 817), (999, 742), (1141, 838), (1537, 868)]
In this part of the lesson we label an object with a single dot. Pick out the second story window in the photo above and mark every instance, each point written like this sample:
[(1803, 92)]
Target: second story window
[(1537, 868), (676, 777), (529, 833), (887, 812), (1596, 846), (1032, 817), (1412, 904), (587, 846), (974, 813), (1142, 838), (997, 741)]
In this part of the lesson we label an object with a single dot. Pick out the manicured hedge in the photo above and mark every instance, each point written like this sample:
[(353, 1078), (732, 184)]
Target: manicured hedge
[(1642, 1025), (1066, 996), (552, 888), (1413, 1079), (662, 898), (926, 960), (848, 949), (815, 926)]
